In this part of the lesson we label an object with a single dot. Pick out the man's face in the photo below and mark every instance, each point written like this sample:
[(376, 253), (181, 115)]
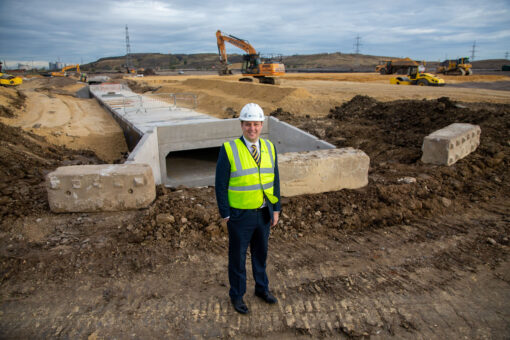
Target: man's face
[(251, 130)]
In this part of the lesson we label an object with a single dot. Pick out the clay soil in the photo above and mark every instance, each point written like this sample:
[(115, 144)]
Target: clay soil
[(421, 252)]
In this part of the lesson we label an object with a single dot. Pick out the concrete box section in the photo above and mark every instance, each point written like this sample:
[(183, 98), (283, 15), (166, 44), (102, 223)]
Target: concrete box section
[(188, 152), (108, 187), (146, 152), (448, 145), (321, 171), (182, 145)]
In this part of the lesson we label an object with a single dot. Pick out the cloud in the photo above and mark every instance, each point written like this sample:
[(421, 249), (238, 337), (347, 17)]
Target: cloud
[(73, 31)]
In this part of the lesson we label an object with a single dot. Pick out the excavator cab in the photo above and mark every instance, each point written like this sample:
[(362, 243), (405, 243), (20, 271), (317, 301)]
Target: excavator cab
[(251, 64)]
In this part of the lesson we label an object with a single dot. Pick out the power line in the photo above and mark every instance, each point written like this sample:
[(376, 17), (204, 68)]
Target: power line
[(506, 55), (357, 44), (128, 50), (473, 50)]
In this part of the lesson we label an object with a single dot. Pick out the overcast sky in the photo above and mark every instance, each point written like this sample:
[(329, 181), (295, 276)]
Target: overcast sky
[(84, 31)]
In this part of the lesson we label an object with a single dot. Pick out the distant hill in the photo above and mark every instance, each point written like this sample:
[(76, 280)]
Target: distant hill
[(210, 61), (202, 61), (332, 61), (490, 63), (305, 62)]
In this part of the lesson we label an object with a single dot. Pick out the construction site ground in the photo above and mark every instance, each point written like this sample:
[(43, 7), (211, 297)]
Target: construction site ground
[(421, 252)]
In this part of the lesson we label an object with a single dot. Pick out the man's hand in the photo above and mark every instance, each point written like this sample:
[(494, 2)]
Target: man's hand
[(276, 217)]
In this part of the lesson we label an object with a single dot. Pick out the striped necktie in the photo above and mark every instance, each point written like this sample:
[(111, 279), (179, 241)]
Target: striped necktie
[(255, 154)]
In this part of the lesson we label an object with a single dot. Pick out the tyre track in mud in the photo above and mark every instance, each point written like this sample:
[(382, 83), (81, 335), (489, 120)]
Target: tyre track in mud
[(353, 286)]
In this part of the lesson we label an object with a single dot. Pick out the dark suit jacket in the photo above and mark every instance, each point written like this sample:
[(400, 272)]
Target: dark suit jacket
[(223, 177)]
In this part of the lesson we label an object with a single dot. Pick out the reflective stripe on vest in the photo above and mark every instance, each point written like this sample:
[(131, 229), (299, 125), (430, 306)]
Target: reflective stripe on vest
[(248, 183)]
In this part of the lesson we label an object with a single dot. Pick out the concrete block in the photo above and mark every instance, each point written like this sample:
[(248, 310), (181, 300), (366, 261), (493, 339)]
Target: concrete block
[(107, 187), (313, 172), (448, 145)]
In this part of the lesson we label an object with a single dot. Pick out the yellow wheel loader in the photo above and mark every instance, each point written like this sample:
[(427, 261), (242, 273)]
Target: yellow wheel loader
[(10, 80)]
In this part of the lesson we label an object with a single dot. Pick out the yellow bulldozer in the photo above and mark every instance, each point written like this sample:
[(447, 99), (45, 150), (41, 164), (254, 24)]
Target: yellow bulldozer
[(459, 66)]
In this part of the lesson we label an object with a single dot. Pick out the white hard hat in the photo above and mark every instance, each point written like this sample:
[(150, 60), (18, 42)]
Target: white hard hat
[(252, 112)]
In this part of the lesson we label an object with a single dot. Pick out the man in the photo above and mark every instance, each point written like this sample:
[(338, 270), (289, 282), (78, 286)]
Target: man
[(248, 195)]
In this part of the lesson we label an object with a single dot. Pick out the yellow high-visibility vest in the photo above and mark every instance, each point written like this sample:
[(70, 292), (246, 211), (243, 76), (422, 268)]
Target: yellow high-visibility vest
[(248, 183)]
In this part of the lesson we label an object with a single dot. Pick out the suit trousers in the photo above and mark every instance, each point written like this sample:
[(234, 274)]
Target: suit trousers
[(247, 227)]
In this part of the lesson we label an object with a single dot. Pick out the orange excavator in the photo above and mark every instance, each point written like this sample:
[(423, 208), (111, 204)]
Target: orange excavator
[(267, 72), (63, 72)]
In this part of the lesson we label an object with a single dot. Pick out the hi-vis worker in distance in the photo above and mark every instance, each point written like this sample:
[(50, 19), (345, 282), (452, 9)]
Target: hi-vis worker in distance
[(248, 195)]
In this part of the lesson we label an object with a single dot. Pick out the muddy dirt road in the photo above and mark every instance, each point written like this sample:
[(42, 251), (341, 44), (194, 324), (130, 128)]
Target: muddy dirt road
[(421, 252)]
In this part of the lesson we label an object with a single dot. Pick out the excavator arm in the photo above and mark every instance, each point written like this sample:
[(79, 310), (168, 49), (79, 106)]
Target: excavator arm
[(237, 42), (62, 73), (69, 67)]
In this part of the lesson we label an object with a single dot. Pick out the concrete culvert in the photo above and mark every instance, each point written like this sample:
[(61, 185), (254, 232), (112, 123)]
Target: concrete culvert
[(195, 167)]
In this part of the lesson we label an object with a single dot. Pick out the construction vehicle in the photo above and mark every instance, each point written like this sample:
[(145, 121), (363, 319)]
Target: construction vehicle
[(63, 72), (395, 66), (459, 66), (416, 76), (129, 69), (267, 72), (10, 80)]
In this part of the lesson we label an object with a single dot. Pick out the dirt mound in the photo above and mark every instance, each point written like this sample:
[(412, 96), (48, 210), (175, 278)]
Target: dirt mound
[(140, 87), (392, 133), (53, 82), (54, 113), (179, 216), (61, 81), (404, 124), (25, 159), (56, 85), (353, 108), (218, 96), (258, 92), (10, 101)]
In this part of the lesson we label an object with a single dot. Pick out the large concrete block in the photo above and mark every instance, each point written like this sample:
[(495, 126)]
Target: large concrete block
[(108, 187), (448, 145), (321, 171)]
